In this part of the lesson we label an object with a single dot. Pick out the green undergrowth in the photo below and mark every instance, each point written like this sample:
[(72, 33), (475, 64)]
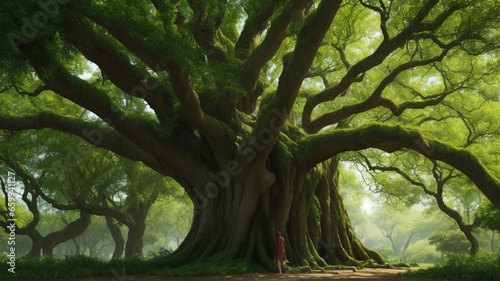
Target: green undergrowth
[(485, 266), (83, 266), (72, 267), (218, 264), (210, 269)]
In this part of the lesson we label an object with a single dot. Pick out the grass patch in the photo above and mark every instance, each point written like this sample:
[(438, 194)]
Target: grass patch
[(422, 265), (485, 266), (400, 264)]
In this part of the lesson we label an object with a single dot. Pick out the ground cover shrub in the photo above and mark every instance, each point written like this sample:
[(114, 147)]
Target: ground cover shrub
[(78, 266), (485, 266), (210, 268)]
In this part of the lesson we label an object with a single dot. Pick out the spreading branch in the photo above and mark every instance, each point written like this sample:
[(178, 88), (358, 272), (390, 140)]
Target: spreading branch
[(276, 33), (376, 99), (255, 24), (95, 134), (159, 60), (205, 28), (376, 58), (389, 138), (384, 13), (308, 41), (118, 68)]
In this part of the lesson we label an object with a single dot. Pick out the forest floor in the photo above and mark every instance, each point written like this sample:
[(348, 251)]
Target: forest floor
[(347, 275)]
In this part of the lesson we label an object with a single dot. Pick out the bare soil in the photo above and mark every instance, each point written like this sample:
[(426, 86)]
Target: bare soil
[(346, 275)]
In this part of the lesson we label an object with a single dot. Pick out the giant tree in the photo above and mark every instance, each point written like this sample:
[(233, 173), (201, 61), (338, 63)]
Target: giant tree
[(490, 219), (250, 104)]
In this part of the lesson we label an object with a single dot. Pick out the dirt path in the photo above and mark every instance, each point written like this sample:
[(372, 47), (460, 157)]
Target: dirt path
[(346, 275)]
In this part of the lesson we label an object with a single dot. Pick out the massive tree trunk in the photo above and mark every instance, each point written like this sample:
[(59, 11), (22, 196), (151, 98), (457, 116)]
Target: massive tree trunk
[(241, 218)]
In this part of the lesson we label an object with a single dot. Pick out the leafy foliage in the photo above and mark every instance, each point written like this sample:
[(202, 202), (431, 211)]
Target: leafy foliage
[(84, 266), (482, 267), (489, 216), (449, 241)]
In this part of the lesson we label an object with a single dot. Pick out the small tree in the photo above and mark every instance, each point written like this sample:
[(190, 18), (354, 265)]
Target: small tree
[(450, 241), (489, 216)]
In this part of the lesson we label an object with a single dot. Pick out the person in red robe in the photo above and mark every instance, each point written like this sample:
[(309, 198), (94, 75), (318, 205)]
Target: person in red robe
[(279, 251)]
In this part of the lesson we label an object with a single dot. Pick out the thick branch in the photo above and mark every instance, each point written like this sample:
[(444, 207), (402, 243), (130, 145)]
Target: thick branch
[(376, 100), (252, 31), (204, 28), (309, 39), (264, 52), (130, 40), (97, 135), (145, 133), (118, 68), (216, 131), (438, 21), (393, 138), (176, 165)]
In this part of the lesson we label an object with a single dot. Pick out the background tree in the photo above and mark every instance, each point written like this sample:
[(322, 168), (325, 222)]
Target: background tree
[(249, 105), (89, 180), (489, 216), (41, 244), (170, 228), (450, 240), (399, 228), (433, 183)]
